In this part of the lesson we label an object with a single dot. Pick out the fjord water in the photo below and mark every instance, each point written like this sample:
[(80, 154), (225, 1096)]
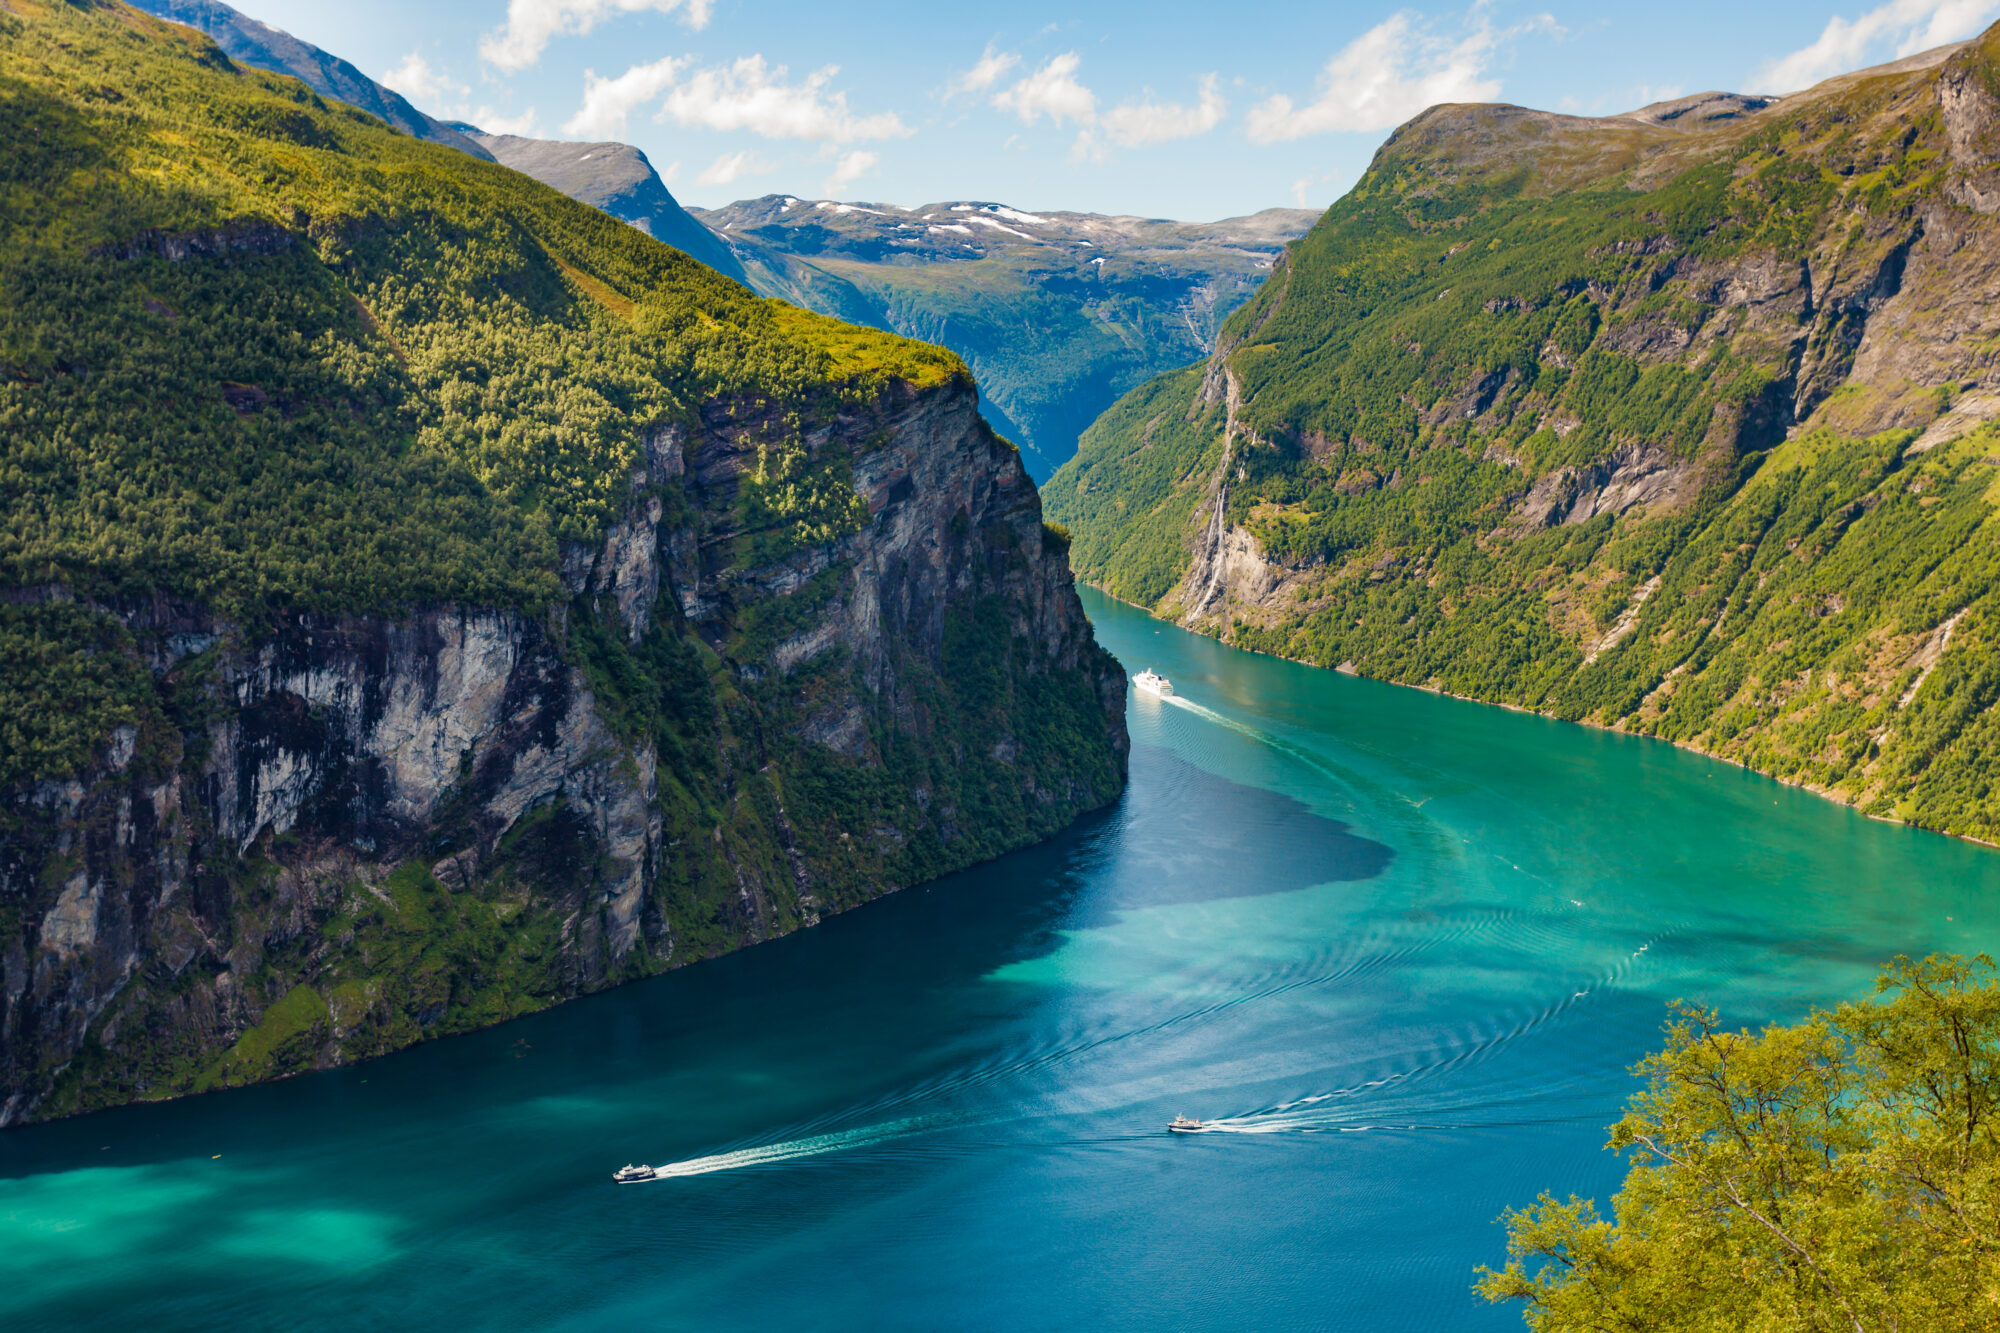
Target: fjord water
[(1402, 947)]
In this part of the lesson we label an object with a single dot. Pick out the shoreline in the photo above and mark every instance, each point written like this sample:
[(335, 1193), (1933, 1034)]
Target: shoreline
[(1797, 785)]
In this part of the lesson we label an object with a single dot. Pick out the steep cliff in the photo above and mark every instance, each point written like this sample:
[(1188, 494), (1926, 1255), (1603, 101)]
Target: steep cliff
[(1675, 421), (427, 599)]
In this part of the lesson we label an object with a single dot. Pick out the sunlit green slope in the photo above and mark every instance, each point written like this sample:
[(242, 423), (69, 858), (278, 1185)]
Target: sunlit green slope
[(1672, 421), (396, 375)]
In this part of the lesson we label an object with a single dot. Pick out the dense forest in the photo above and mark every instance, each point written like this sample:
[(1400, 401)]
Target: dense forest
[(1674, 422)]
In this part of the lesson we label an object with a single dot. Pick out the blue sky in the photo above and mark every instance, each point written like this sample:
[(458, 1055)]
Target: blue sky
[(1163, 107)]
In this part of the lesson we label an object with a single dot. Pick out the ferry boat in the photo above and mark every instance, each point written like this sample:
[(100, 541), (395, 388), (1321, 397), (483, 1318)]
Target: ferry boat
[(632, 1175), (1181, 1124), (1153, 683)]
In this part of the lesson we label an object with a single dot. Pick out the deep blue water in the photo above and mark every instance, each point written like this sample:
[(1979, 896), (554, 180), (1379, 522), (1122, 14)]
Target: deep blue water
[(1403, 947)]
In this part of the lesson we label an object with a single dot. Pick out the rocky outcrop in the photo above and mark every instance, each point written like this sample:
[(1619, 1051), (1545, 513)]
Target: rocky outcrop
[(337, 835), (1633, 475)]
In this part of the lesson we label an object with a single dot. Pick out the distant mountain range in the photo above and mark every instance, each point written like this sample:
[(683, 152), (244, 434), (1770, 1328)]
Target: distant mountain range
[(1057, 313)]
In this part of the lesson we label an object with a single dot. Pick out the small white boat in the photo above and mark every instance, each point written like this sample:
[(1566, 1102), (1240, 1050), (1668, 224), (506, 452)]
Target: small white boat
[(1181, 1124), (1153, 683), (632, 1175)]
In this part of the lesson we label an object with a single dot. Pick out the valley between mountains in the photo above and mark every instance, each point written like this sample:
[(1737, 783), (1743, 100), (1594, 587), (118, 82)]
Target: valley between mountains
[(1682, 422), (1673, 422), (1056, 314)]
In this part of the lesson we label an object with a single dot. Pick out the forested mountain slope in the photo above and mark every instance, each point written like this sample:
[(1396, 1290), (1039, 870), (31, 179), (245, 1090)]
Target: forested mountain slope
[(1057, 313), (615, 177), (424, 597), (1675, 422), (244, 39)]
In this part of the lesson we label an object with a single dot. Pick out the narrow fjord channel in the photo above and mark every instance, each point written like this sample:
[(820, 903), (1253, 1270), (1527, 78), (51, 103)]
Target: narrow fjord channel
[(1402, 947)]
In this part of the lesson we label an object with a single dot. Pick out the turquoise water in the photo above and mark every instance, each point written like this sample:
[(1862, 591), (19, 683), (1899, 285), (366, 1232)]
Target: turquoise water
[(1402, 947)]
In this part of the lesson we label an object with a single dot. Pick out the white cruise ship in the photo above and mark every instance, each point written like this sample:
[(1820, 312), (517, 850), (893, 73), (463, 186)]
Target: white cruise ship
[(1153, 683)]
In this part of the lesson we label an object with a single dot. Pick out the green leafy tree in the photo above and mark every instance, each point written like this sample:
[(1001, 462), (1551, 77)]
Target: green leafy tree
[(1839, 1174)]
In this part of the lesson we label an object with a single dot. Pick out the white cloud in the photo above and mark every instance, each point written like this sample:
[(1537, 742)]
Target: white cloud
[(1391, 72), (1051, 91), (1898, 28), (983, 75), (532, 24), (747, 95), (495, 122), (851, 168), (416, 80), (607, 102), (437, 92), (1136, 123), (1054, 91), (731, 167)]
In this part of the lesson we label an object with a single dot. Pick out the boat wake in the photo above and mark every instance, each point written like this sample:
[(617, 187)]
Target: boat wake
[(1304, 756), (1346, 781), (793, 1150), (1380, 1103)]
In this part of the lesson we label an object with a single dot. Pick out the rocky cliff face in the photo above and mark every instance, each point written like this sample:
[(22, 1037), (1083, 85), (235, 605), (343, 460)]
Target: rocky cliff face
[(337, 835)]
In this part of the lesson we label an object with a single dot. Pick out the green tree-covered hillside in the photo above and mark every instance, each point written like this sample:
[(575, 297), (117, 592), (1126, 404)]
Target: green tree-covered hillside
[(1673, 421), (262, 352), (425, 598)]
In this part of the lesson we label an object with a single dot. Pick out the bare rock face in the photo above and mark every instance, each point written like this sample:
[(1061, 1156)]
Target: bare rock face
[(358, 832), (1633, 475)]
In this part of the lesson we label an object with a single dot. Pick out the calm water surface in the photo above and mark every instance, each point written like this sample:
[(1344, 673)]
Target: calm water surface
[(1403, 947)]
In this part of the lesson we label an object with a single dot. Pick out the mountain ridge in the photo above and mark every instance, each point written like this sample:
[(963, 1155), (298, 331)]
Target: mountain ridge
[(621, 181), (1048, 360)]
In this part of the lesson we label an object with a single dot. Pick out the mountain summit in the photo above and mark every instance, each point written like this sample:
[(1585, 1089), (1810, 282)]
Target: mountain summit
[(617, 178)]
